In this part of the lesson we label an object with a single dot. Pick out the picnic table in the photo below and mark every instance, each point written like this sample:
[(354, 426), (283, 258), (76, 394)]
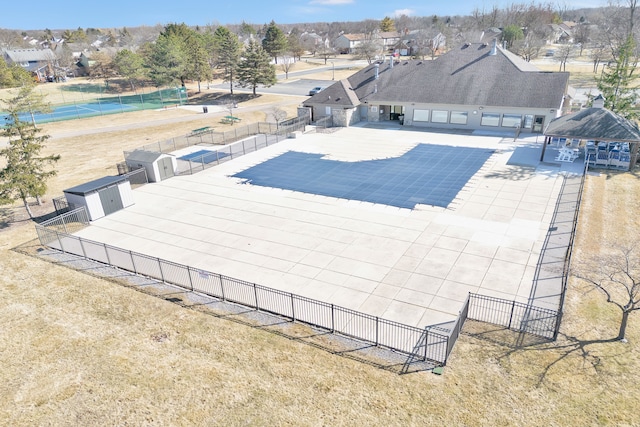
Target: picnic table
[(200, 131), (230, 119)]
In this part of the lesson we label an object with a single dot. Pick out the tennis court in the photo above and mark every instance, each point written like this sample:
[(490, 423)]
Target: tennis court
[(414, 265), (74, 111)]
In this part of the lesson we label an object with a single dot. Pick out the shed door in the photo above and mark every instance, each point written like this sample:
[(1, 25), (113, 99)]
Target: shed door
[(165, 166), (110, 199)]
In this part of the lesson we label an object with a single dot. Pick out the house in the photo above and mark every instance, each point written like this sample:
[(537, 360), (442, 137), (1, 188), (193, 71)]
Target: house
[(40, 62), (388, 39), (347, 43), (474, 87), (422, 43), (562, 33)]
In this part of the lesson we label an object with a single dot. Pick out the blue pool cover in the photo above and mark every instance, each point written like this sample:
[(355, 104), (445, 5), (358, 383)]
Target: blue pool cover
[(204, 156), (427, 174)]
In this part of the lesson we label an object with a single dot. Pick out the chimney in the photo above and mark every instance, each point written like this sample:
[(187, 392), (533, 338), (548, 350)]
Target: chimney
[(598, 101), (377, 70), (494, 48)]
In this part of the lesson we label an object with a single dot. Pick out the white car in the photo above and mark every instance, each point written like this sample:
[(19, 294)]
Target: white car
[(315, 90)]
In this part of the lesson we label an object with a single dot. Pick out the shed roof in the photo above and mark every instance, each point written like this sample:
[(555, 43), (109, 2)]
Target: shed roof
[(95, 185), (468, 75), (143, 156), (594, 123)]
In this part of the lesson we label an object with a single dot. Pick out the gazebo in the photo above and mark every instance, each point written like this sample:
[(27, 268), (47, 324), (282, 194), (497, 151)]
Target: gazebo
[(609, 140)]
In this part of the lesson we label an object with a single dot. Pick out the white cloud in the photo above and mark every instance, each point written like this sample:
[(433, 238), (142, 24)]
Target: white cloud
[(330, 2), (399, 12)]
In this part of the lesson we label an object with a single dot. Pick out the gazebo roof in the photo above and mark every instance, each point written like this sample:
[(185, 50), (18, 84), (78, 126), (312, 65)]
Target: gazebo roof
[(594, 123)]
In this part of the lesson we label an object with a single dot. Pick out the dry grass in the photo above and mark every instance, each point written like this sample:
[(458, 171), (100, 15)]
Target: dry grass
[(79, 350)]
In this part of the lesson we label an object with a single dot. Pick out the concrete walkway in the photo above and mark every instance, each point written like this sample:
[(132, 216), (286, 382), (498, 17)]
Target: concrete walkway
[(411, 266)]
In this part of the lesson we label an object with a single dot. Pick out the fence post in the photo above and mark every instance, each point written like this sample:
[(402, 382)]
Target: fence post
[(293, 310), (60, 241), (513, 305), (190, 279), (333, 325), (556, 329), (133, 262), (222, 287), (84, 253), (255, 295), (106, 252), (377, 329), (160, 268), (426, 342)]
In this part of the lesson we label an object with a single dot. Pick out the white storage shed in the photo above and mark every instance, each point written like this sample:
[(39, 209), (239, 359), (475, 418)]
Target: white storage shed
[(102, 196), (159, 166)]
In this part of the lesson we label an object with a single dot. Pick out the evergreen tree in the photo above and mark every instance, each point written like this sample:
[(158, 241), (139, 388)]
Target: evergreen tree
[(617, 82), (227, 54), (129, 65), (255, 68), (387, 24), (26, 172), (13, 75), (274, 42), (294, 45)]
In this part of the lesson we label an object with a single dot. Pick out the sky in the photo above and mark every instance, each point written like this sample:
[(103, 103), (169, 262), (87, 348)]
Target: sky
[(71, 14)]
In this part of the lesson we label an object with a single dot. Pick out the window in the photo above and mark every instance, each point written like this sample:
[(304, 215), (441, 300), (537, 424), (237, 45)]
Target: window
[(511, 120), (439, 116), (420, 115), (459, 117), (528, 121), (490, 119)]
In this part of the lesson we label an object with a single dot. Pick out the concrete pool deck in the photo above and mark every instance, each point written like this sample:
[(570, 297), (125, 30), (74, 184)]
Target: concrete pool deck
[(411, 266)]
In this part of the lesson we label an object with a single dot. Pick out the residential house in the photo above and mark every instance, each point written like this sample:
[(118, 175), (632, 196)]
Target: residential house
[(347, 43), (40, 62), (475, 87), (422, 43)]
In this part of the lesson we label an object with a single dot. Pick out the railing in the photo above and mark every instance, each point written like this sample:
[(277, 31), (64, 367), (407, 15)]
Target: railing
[(226, 153), (68, 222), (567, 263), (427, 344), (224, 138)]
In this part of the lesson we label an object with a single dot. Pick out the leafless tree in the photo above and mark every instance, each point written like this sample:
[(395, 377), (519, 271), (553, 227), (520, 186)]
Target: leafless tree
[(325, 53), (615, 272), (599, 53), (287, 63), (278, 115), (369, 50), (563, 54)]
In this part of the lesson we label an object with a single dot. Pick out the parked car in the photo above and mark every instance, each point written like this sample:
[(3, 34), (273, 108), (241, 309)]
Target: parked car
[(315, 90)]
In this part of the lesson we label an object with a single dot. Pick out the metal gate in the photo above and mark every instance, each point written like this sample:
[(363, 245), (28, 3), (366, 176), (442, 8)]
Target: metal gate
[(110, 199)]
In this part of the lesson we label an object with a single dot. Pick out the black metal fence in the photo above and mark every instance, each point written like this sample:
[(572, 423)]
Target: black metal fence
[(424, 343), (226, 153), (211, 137)]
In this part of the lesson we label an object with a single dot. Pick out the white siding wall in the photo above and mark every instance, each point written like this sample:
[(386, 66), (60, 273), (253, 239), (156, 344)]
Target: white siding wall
[(126, 193), (91, 202)]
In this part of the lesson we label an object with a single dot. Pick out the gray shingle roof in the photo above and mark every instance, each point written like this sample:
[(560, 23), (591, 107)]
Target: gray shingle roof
[(594, 123), (95, 185), (30, 55), (468, 75)]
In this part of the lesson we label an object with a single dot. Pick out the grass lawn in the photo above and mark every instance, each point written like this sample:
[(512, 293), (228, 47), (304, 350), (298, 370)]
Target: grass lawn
[(76, 349)]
